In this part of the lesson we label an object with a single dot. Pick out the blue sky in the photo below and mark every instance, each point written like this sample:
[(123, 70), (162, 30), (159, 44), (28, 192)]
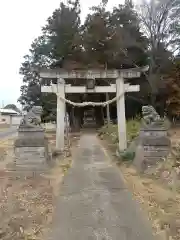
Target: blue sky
[(20, 23)]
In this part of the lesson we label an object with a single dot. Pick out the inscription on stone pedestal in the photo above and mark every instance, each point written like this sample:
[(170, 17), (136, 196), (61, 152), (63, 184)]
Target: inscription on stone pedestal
[(154, 133), (31, 153), (31, 157), (154, 145)]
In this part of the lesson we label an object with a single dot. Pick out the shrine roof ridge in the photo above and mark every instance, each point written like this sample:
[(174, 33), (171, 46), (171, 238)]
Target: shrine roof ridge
[(91, 73)]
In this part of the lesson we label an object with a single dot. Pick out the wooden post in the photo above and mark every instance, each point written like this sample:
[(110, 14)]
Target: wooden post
[(107, 110), (102, 113), (60, 115), (121, 118)]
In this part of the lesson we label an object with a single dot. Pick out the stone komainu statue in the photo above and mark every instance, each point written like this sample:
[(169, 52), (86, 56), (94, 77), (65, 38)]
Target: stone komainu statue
[(150, 116), (32, 118)]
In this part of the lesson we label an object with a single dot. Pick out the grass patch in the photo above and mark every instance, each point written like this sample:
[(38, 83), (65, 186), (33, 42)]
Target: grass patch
[(110, 132), (133, 128)]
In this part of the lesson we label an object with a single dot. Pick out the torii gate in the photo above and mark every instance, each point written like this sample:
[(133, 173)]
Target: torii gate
[(120, 88)]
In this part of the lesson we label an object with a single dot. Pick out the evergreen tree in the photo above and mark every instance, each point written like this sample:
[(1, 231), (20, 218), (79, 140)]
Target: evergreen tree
[(62, 31), (59, 40)]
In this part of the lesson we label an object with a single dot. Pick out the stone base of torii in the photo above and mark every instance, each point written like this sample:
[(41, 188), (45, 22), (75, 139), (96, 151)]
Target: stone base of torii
[(61, 88)]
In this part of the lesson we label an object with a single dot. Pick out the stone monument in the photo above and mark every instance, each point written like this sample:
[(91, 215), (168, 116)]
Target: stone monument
[(153, 142), (31, 146)]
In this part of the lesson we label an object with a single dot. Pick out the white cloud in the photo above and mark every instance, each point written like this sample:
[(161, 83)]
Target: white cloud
[(20, 23)]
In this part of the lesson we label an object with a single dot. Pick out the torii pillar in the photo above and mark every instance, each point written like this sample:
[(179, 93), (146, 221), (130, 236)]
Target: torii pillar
[(121, 116), (60, 123)]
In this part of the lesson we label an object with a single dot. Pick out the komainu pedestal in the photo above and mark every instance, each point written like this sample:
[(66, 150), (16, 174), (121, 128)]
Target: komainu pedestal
[(154, 143), (31, 146)]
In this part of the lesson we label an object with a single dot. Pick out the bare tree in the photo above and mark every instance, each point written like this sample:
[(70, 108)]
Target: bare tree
[(160, 23)]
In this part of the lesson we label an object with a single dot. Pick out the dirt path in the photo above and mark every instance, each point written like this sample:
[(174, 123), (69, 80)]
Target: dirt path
[(94, 202), (8, 133)]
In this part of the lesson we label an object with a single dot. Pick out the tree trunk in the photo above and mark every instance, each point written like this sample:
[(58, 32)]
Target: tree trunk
[(99, 116), (108, 110), (75, 123), (153, 100)]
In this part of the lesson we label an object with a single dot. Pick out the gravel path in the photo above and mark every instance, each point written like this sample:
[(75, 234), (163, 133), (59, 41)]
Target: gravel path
[(94, 203)]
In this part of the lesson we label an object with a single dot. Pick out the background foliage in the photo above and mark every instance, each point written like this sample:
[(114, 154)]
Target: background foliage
[(128, 36)]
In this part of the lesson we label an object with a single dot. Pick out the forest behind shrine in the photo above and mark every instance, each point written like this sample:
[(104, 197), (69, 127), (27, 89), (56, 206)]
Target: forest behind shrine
[(128, 36)]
